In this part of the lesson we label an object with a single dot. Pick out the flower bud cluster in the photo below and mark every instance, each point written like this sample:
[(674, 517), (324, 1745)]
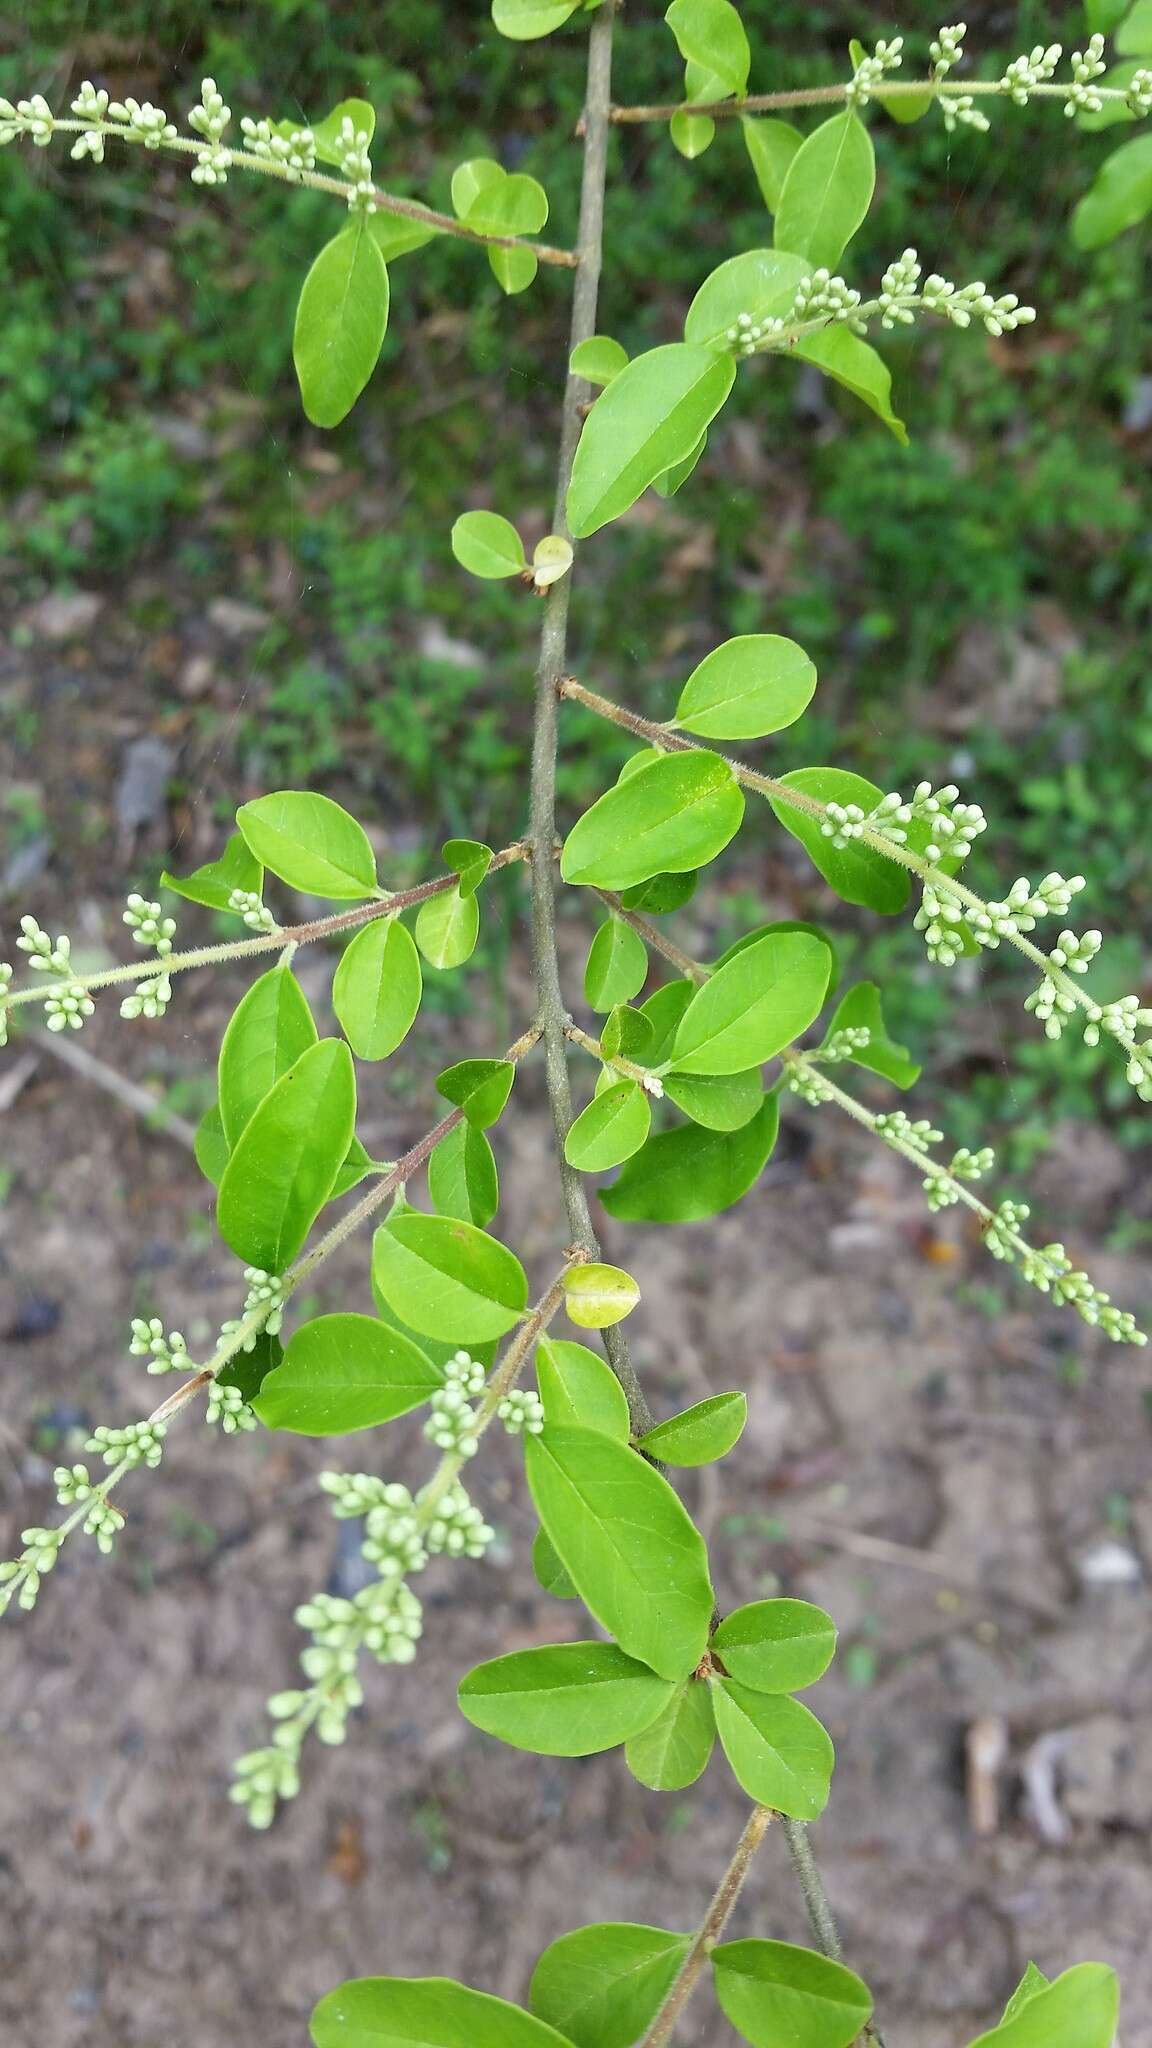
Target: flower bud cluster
[(164, 1352), (947, 49), (954, 826), (1087, 66), (902, 296), (352, 143), (264, 1288), (940, 1186), (294, 152), (1139, 92), (808, 1083), (451, 1425), (256, 914), (521, 1413), (869, 72), (210, 118), (44, 956), (1025, 73), (138, 1443), (31, 117), (845, 1044), (149, 926), (73, 1488), (228, 1409), (1022, 906), (897, 1129), (21, 1576), (151, 998)]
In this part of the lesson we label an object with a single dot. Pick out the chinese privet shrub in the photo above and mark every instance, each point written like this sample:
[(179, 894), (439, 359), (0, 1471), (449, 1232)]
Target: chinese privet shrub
[(680, 1090)]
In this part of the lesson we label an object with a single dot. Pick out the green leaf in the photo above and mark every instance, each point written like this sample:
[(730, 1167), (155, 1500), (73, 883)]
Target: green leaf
[(666, 486), (701, 1434), (627, 1543), (613, 1126), (776, 1645), (1102, 16), (602, 1986), (650, 417), (692, 134), (341, 321), (471, 178), (1030, 1983), (395, 235), (1134, 34), (311, 843), (673, 1752), (526, 20), (579, 1389), (494, 201), (679, 812), (684, 1175), (855, 872), (617, 966), (771, 146), (781, 924), (598, 359), (326, 133), (550, 1573), (663, 1012), (210, 1146), (479, 1087), (773, 1993), (710, 37), (827, 191), (570, 1699), (721, 1102), (596, 1296), (345, 1372), (286, 1160), (762, 1000), (268, 1030), (237, 868), (661, 894), (423, 2012), (1119, 196), (446, 1279), (438, 1349), (860, 1007), (627, 1034), (377, 988), (779, 1753), (761, 283), (854, 363), (487, 545), (469, 860), (1078, 2010), (513, 269), (356, 1167), (447, 928), (755, 684), (462, 1176)]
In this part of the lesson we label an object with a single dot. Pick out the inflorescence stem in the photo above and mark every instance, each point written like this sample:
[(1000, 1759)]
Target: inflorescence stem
[(838, 95)]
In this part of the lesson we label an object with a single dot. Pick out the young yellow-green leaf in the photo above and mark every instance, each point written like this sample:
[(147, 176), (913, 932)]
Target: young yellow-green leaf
[(649, 417), (345, 1372), (602, 1986), (579, 1388), (684, 1175), (854, 363), (569, 1699), (710, 37), (284, 1165), (1078, 2010), (447, 927), (498, 202), (663, 1012), (779, 1753), (827, 191), (762, 1000), (1030, 1983), (692, 134), (860, 1009), (673, 1752), (776, 1645), (513, 269), (721, 1102), (773, 1993), (627, 1034), (548, 1570), (1134, 32), (377, 988), (755, 684), (627, 1543), (760, 283), (598, 359), (462, 1177), (552, 558), (1119, 196), (666, 486), (661, 894), (268, 1030), (395, 235), (327, 133), (679, 811), (701, 1434), (487, 545), (446, 1279), (311, 843), (423, 2012), (771, 146), (523, 21), (857, 874), (210, 1146), (479, 1087), (614, 1125), (596, 1296), (617, 966), (438, 1349), (469, 860), (237, 868), (341, 321)]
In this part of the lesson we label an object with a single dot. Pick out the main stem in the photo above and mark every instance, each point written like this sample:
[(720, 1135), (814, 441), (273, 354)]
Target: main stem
[(552, 1014), (710, 1929)]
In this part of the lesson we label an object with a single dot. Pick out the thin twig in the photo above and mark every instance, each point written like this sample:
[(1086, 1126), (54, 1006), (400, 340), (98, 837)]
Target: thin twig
[(552, 1014), (832, 95), (710, 1929)]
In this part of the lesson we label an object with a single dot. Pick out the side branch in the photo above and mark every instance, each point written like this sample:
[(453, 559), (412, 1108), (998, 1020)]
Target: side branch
[(710, 1929), (838, 95)]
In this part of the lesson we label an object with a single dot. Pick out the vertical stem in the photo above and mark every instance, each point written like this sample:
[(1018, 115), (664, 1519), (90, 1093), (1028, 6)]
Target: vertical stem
[(820, 1915), (552, 1014), (709, 1931)]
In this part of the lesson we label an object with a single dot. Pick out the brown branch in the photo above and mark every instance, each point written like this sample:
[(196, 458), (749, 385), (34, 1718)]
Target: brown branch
[(710, 1929)]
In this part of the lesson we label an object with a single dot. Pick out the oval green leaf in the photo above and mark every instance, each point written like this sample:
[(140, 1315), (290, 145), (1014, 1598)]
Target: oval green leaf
[(855, 872), (479, 1087), (613, 1126), (701, 1434), (423, 2012), (579, 1388), (1079, 2010), (311, 843), (598, 359), (684, 1175), (548, 1570), (855, 364), (779, 1753), (861, 1009), (673, 1752), (462, 1176), (377, 988), (773, 1993), (771, 146), (776, 1645), (711, 38), (1119, 197), (523, 21), (755, 684), (237, 868), (678, 812), (446, 1279), (827, 191), (487, 545), (617, 966), (345, 1372), (569, 1699), (762, 1000), (647, 419), (722, 1102), (285, 1163), (447, 927), (268, 1030), (341, 321), (596, 1296), (602, 1986), (760, 282)]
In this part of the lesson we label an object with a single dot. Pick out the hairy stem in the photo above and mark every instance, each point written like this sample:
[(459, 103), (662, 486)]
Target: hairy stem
[(836, 95), (552, 1014), (710, 1929)]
